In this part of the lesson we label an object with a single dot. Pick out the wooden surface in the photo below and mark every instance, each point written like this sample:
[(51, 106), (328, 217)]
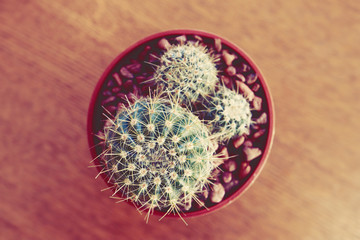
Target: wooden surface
[(53, 52)]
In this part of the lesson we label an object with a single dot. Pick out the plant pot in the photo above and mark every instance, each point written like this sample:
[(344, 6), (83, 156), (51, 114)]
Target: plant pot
[(129, 74)]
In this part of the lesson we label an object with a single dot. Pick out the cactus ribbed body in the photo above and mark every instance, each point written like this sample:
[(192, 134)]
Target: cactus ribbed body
[(187, 70), (228, 114), (158, 154)]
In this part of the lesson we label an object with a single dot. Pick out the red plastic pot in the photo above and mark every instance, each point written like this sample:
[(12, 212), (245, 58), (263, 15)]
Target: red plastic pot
[(116, 82)]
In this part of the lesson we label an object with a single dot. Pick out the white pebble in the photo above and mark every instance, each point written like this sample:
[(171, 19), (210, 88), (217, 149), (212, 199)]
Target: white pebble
[(243, 88), (238, 141), (252, 153), (218, 193), (240, 77), (231, 71), (181, 39), (262, 119), (228, 57), (257, 101), (164, 44), (218, 44)]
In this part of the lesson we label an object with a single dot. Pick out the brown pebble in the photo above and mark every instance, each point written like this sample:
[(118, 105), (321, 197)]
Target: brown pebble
[(251, 78), (134, 68), (117, 79), (218, 44), (240, 77), (187, 205), (228, 57), (262, 119), (116, 89), (227, 177), (243, 88), (110, 84), (255, 127), (238, 141), (259, 133), (226, 81), (257, 101), (126, 73), (231, 185), (244, 169), (230, 165), (252, 153), (256, 87), (245, 67), (164, 44), (217, 193), (230, 70), (108, 100), (107, 93), (248, 143), (197, 37)]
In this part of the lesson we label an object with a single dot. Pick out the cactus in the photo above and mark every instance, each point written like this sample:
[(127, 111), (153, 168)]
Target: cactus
[(157, 155), (228, 114), (188, 71)]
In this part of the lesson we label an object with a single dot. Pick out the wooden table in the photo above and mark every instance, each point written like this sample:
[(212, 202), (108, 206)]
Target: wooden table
[(52, 54)]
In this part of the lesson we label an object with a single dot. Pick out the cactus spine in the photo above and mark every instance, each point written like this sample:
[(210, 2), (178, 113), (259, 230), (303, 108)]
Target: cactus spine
[(158, 155)]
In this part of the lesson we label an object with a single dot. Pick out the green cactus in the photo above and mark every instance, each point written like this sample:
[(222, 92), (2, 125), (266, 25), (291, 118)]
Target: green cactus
[(228, 114), (187, 71), (158, 155)]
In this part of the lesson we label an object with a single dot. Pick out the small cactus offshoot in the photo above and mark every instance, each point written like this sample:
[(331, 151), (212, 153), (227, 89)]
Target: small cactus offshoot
[(157, 155), (228, 114), (188, 71)]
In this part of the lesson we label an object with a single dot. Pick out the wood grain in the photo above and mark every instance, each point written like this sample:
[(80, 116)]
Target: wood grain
[(53, 52)]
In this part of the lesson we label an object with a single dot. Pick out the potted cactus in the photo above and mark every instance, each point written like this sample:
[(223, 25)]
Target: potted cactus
[(180, 124)]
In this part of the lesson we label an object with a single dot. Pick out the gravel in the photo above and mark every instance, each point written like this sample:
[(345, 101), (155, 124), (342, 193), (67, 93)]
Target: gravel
[(132, 76)]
